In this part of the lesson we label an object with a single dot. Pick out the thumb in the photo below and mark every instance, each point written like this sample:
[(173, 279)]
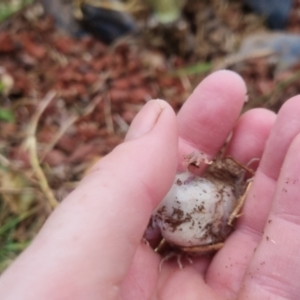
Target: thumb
[(90, 240)]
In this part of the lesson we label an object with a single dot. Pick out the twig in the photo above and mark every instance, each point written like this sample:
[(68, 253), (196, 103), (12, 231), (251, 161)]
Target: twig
[(121, 122), (234, 59), (58, 135), (129, 6), (31, 145), (108, 117), (186, 83), (266, 100), (4, 161), (16, 190), (18, 219), (57, 57), (69, 122)]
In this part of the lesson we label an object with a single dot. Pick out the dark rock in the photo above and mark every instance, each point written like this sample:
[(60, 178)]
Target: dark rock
[(276, 11)]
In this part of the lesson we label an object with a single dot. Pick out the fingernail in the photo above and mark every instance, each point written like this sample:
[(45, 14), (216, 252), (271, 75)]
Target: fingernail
[(146, 119)]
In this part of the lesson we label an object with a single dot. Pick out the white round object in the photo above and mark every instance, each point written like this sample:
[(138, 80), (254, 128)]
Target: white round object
[(195, 211)]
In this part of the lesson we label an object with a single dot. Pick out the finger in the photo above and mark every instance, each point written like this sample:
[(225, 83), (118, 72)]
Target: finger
[(144, 120), (274, 271), (247, 142), (177, 284), (88, 244), (208, 116), (250, 135), (238, 250), (285, 129)]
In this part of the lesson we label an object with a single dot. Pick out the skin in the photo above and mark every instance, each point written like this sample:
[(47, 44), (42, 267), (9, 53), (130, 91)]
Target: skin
[(91, 246)]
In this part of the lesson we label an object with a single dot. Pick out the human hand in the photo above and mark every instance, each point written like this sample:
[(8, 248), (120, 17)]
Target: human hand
[(91, 246)]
